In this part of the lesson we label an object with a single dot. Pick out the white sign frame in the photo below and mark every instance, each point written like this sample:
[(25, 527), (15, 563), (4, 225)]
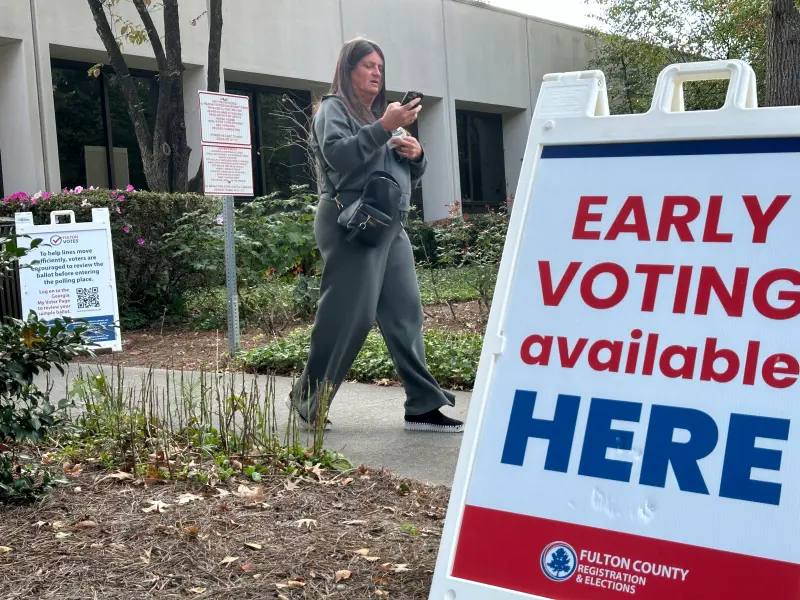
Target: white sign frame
[(572, 109), (100, 222)]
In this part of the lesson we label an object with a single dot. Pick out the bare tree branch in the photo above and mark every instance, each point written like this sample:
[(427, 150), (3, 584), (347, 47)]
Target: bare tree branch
[(152, 34)]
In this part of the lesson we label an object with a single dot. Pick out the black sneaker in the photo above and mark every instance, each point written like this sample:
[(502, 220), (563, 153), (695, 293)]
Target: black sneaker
[(433, 421)]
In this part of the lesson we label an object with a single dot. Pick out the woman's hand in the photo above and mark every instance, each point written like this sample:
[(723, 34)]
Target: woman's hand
[(409, 148), (398, 115)]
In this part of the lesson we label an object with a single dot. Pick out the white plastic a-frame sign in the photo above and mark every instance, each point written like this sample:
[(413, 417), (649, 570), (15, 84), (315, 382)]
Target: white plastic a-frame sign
[(71, 274), (632, 431)]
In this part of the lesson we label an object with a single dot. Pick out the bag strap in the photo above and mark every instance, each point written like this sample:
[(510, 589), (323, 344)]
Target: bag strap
[(336, 191)]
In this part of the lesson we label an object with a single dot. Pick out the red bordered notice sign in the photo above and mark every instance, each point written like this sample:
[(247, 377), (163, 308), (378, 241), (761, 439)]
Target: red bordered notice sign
[(635, 429), (227, 148)]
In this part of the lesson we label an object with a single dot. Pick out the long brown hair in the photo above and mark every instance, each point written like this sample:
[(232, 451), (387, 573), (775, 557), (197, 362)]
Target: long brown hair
[(349, 56)]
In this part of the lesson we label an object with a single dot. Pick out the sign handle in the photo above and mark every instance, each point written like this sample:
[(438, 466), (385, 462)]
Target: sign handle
[(230, 277), (742, 91), (61, 213)]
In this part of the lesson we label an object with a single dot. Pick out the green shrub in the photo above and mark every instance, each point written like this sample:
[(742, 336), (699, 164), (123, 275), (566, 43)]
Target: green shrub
[(274, 239), (452, 357), (29, 347), (150, 279)]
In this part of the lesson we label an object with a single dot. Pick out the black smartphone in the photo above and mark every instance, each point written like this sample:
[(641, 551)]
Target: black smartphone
[(411, 96)]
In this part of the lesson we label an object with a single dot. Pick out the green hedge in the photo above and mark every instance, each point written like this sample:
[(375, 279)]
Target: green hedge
[(150, 278), (452, 357)]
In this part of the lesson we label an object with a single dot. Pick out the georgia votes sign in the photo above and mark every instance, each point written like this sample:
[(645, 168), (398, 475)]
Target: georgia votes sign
[(637, 439)]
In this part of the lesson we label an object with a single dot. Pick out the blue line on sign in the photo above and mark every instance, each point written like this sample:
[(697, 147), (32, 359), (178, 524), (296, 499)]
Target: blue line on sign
[(674, 148)]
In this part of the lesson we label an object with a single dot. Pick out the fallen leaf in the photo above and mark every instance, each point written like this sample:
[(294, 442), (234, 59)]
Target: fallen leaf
[(229, 559), (39, 524), (236, 465), (316, 470), (354, 523), (253, 546), (78, 490), (282, 597), (295, 584), (291, 486), (156, 506), (307, 523), (222, 493), (187, 497), (119, 476), (73, 469), (347, 481), (146, 557), (372, 558), (363, 551), (380, 580), (56, 525), (62, 534), (197, 590), (381, 593), (192, 529), (85, 525), (247, 568), (4, 549), (341, 575), (252, 495), (400, 568)]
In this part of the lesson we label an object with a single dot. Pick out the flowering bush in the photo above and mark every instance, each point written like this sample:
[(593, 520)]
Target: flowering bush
[(150, 279)]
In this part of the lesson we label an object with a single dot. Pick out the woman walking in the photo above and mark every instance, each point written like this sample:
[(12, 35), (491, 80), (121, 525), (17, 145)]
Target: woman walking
[(362, 283)]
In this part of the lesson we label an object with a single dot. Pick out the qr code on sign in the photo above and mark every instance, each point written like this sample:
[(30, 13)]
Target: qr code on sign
[(88, 298)]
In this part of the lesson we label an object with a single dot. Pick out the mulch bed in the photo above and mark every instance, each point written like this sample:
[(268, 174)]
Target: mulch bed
[(172, 348), (375, 534)]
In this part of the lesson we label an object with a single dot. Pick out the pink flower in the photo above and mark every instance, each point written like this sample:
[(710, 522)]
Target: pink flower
[(47, 196), (79, 190), (126, 228), (114, 193), (121, 198), (130, 188), (140, 241)]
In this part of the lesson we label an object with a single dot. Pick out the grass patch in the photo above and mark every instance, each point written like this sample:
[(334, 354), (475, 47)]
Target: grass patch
[(452, 357)]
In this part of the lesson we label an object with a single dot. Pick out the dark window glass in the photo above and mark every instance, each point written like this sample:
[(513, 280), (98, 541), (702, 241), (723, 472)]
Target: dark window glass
[(480, 159), (90, 110), (79, 121), (278, 122), (416, 192), (2, 193)]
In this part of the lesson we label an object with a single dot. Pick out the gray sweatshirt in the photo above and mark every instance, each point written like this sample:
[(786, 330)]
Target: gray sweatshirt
[(349, 152)]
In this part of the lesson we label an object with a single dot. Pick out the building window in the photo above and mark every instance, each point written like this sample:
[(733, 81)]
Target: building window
[(91, 116), (481, 159), (2, 193), (279, 119)]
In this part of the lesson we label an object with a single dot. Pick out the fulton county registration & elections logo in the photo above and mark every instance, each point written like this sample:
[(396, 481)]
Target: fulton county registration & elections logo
[(559, 561)]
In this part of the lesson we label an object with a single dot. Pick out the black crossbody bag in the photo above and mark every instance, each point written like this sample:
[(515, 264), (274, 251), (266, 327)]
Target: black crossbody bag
[(369, 217)]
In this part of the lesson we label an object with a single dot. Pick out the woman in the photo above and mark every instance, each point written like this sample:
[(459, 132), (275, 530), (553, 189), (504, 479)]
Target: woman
[(351, 132)]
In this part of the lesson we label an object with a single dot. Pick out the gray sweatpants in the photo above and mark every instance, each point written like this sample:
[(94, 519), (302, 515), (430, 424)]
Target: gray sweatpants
[(360, 284)]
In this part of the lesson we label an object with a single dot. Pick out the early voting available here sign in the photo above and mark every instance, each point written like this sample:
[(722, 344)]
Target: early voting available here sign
[(635, 427), (71, 274)]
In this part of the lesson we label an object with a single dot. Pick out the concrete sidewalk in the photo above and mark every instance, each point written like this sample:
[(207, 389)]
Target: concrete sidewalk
[(367, 424)]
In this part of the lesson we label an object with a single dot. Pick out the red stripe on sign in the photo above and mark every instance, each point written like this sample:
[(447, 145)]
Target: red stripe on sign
[(573, 562)]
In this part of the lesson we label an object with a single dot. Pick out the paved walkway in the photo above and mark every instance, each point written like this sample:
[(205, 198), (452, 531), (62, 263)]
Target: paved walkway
[(367, 425)]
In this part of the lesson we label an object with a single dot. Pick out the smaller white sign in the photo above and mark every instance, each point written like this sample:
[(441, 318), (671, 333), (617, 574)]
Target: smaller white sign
[(225, 119), (227, 171), (71, 274)]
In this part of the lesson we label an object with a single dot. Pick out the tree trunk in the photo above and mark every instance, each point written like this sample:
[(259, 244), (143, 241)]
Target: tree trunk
[(214, 71), (179, 147), (783, 54)]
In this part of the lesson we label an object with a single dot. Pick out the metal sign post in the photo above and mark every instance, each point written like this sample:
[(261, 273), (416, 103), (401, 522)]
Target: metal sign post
[(227, 172)]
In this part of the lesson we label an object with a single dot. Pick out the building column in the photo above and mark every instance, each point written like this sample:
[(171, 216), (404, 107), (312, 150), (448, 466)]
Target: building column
[(440, 186), (515, 138), (20, 133)]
